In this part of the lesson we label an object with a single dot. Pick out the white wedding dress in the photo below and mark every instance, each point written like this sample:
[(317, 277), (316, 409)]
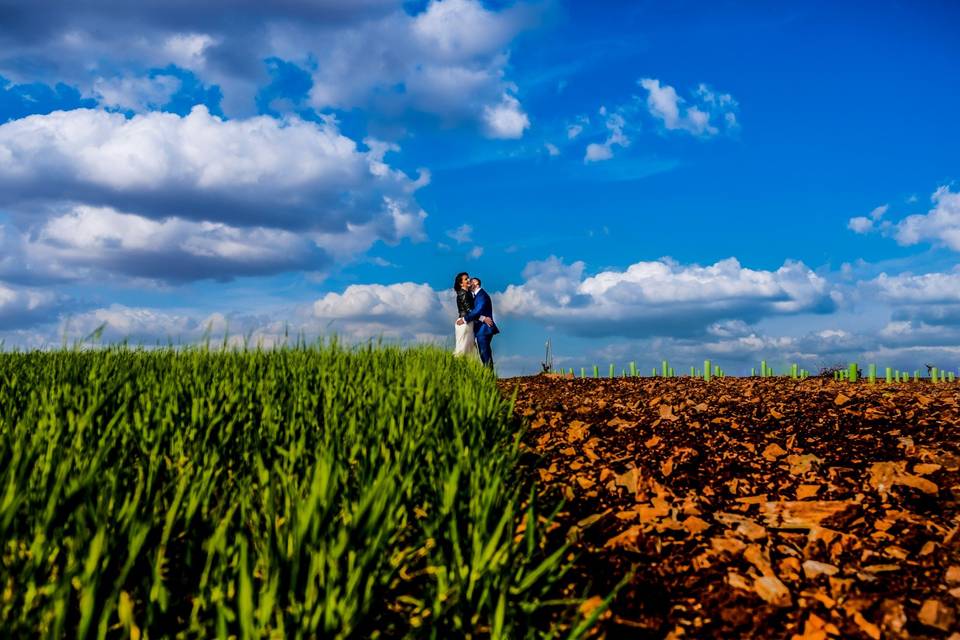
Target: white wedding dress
[(466, 343)]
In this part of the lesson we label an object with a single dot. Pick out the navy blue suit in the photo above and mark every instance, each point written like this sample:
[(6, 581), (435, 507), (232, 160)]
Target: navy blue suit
[(483, 306)]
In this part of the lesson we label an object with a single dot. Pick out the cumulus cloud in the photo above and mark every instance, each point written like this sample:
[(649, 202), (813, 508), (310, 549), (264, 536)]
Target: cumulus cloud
[(860, 224), (136, 93), (243, 196), (604, 151), (506, 119), (449, 61), (940, 225), (865, 224), (921, 304), (102, 239), (662, 297), (706, 114), (405, 310), (361, 53), (23, 307), (908, 288)]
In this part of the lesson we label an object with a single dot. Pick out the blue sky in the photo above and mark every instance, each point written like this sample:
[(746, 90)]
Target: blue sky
[(632, 180)]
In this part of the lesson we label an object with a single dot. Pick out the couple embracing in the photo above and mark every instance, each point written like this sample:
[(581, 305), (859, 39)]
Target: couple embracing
[(475, 327)]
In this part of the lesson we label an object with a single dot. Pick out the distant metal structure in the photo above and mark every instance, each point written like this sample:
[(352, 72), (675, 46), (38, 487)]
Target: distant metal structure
[(547, 363)]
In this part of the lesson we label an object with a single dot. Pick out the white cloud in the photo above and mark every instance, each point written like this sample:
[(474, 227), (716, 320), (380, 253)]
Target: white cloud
[(597, 152), (449, 59), (188, 49), (615, 124), (865, 224), (104, 240), (939, 225), (475, 253), (926, 288), (404, 310), (860, 224), (505, 120), (662, 297), (461, 234), (665, 104), (279, 190), (23, 306), (551, 148), (573, 130), (136, 93)]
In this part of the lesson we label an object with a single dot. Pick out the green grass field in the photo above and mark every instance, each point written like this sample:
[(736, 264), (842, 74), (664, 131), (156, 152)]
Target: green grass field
[(301, 492)]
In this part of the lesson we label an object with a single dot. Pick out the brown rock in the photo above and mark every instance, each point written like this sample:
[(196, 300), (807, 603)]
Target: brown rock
[(773, 591), (935, 614)]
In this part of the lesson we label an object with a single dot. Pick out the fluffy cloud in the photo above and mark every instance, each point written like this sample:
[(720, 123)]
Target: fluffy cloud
[(232, 197), (506, 119), (404, 310), (865, 224), (706, 114), (860, 224), (604, 151), (80, 46), (449, 59), (662, 297), (939, 225), (23, 307), (136, 93), (94, 239), (918, 289)]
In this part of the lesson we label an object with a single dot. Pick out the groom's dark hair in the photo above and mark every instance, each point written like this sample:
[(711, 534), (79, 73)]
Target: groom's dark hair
[(456, 281), (479, 284)]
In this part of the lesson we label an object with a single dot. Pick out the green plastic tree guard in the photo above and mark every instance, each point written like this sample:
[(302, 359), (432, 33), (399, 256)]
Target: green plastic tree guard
[(706, 370), (872, 373), (633, 369), (889, 375)]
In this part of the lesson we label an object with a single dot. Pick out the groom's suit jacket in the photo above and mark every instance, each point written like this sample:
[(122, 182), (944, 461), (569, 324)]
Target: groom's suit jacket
[(482, 306)]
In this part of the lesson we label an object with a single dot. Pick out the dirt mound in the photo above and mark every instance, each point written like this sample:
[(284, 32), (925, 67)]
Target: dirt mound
[(756, 507)]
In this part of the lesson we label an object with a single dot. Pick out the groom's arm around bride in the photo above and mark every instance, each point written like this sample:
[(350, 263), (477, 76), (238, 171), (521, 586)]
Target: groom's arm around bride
[(486, 328)]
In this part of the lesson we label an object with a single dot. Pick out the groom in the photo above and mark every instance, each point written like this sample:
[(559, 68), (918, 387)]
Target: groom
[(482, 317)]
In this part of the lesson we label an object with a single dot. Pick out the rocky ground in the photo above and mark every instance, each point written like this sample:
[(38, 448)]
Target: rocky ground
[(754, 507)]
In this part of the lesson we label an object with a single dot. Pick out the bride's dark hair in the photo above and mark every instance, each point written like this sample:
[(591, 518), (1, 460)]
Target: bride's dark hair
[(456, 281)]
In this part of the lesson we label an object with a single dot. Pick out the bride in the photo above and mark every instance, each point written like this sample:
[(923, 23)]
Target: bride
[(466, 344)]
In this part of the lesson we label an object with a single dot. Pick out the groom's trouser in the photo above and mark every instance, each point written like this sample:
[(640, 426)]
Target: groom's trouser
[(483, 344)]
